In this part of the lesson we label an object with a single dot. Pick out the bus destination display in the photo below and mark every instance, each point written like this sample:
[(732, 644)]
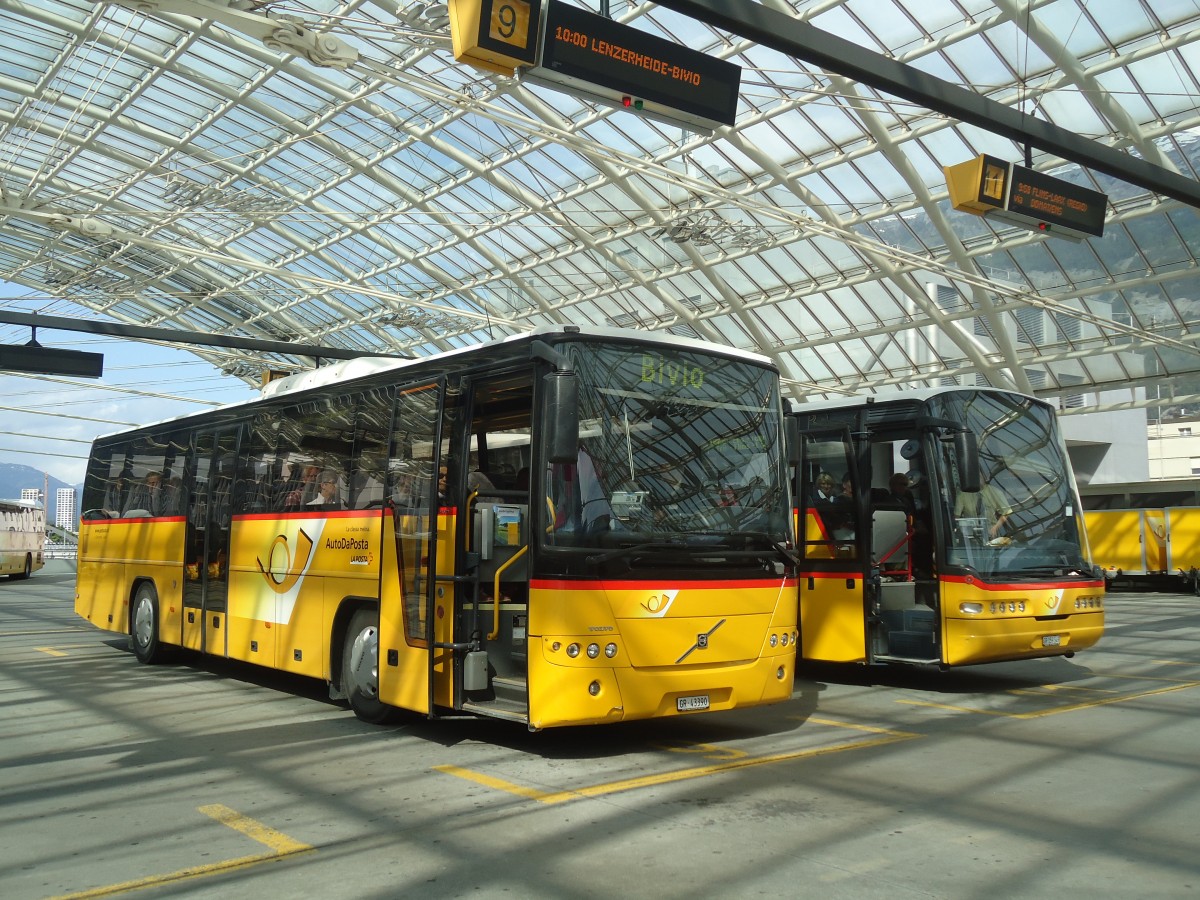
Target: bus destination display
[(1057, 202), (584, 50)]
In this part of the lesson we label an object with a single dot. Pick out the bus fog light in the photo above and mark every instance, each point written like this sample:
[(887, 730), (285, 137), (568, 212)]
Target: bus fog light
[(572, 650), (593, 651), (971, 609), (779, 673), (610, 650), (594, 688)]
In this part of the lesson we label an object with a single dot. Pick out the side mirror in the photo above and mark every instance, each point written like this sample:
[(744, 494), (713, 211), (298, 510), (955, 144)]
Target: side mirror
[(560, 415), (966, 457)]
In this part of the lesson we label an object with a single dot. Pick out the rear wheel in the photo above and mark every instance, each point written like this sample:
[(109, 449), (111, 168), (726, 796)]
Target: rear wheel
[(360, 669), (143, 626), (20, 576)]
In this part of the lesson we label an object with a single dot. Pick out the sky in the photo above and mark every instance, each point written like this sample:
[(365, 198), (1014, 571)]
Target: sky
[(51, 421)]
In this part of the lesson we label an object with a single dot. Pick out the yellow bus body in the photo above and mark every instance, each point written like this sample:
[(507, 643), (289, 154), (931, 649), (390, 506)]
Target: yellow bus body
[(1017, 621), (289, 577)]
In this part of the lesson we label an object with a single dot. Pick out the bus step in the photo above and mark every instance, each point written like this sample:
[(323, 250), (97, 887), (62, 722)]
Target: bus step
[(497, 709), (511, 689)]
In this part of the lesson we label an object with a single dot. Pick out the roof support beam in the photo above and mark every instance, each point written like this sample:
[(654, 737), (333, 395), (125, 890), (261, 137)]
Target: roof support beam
[(786, 34)]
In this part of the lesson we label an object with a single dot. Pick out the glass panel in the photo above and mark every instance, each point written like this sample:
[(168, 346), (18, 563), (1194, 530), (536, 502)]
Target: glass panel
[(414, 494), (677, 449)]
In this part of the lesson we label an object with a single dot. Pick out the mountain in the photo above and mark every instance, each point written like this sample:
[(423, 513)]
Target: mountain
[(16, 478)]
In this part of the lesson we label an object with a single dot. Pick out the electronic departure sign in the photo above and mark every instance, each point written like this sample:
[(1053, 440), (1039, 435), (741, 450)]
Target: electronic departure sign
[(496, 35), (609, 61), (988, 186)]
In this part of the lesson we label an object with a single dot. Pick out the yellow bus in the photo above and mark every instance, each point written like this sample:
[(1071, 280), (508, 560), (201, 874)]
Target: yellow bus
[(22, 537), (956, 535), (564, 527)]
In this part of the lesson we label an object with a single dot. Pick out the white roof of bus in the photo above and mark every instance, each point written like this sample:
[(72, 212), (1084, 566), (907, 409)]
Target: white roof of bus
[(349, 370)]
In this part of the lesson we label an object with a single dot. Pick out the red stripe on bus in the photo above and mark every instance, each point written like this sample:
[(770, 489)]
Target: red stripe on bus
[(553, 584), (976, 582)]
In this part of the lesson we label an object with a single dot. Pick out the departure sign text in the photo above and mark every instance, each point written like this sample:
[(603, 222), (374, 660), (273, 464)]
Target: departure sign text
[(585, 49)]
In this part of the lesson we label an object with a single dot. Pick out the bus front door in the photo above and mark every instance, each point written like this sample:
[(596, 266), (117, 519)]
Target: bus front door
[(206, 566), (492, 570)]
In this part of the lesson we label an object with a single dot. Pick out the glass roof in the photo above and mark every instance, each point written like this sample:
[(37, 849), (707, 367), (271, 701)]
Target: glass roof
[(166, 165)]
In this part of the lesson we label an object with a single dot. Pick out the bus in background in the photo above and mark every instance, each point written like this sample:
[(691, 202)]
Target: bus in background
[(563, 527), (22, 537), (1146, 534), (958, 538)]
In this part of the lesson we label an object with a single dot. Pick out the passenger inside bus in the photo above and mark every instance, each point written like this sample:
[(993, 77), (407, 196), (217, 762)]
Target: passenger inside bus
[(987, 506), (329, 495)]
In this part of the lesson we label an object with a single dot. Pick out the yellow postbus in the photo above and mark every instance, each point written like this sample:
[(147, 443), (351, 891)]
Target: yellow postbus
[(955, 537), (564, 527), (22, 537)]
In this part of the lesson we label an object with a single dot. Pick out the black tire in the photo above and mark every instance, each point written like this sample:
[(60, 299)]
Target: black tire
[(360, 669), (143, 626), (21, 576)]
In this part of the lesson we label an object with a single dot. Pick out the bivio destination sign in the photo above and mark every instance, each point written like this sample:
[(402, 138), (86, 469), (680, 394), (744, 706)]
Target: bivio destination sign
[(562, 46), (636, 69)]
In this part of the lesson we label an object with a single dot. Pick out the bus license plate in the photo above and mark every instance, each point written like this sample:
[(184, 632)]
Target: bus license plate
[(687, 704), (1051, 640)]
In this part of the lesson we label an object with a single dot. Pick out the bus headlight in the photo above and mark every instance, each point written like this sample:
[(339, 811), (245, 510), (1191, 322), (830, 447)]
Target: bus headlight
[(572, 650), (774, 641), (971, 609), (610, 650), (593, 651)]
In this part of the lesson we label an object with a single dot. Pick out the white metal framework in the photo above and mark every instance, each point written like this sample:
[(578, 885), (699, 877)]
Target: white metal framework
[(325, 172)]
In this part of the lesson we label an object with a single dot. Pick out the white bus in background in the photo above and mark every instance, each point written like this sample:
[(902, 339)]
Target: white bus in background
[(22, 537)]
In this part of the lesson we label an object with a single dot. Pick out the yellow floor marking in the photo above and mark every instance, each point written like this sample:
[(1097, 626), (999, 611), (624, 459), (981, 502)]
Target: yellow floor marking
[(279, 844), (885, 736), (1044, 689), (50, 651), (1087, 704)]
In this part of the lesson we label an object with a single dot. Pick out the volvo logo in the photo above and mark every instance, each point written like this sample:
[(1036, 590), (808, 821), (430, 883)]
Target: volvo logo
[(701, 642)]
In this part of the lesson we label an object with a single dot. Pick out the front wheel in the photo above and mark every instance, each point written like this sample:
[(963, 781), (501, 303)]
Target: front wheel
[(143, 626), (360, 669)]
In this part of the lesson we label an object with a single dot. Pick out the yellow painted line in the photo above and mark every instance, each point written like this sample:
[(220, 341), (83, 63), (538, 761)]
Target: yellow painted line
[(883, 736), (275, 840), (1045, 689), (279, 846), (1087, 704), (50, 651), (494, 783)]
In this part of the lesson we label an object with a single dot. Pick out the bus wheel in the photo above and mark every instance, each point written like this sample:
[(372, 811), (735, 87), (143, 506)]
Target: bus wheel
[(28, 568), (360, 670), (143, 632)]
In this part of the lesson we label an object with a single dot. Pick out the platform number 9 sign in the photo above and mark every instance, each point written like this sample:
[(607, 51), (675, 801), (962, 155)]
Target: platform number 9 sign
[(510, 22)]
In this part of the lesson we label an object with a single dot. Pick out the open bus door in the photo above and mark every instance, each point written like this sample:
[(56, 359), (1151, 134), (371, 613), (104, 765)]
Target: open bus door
[(412, 621), (833, 607), (492, 572)]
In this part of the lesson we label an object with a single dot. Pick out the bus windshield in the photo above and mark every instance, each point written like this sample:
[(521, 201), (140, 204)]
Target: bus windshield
[(677, 449), (1024, 521)]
